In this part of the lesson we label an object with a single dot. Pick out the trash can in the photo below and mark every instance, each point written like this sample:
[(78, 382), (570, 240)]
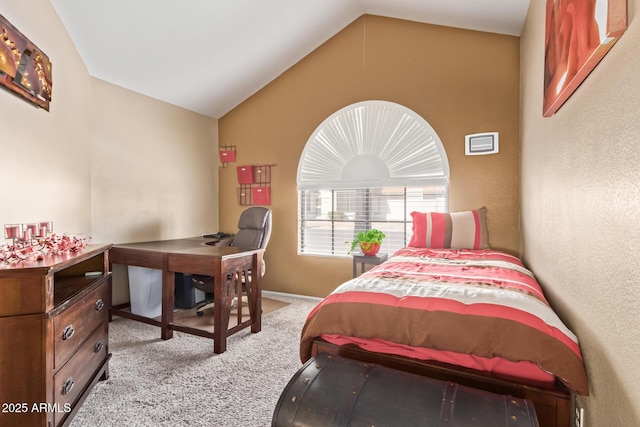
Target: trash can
[(186, 296), (145, 291)]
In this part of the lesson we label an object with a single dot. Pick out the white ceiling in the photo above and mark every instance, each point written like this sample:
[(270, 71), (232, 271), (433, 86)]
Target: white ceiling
[(210, 55)]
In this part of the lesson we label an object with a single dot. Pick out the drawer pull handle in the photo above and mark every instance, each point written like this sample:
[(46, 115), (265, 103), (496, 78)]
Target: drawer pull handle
[(68, 332), (99, 304), (98, 347), (67, 386)]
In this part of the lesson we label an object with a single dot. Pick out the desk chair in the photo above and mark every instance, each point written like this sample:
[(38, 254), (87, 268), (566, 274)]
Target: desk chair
[(254, 231)]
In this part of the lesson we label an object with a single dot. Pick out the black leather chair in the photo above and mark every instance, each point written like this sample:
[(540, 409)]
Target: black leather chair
[(254, 231)]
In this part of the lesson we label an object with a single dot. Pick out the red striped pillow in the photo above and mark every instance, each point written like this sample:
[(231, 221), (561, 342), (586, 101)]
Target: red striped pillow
[(455, 230)]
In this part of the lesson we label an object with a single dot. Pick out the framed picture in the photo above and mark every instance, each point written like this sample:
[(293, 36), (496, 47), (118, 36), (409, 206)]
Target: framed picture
[(578, 35), (479, 144), (24, 69)]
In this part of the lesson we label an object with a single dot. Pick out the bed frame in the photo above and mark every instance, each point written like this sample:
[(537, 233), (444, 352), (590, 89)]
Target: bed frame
[(553, 405)]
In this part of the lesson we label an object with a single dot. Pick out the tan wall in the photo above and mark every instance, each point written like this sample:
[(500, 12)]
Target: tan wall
[(460, 81), (153, 171), (45, 157), (154, 175), (104, 161), (581, 210)]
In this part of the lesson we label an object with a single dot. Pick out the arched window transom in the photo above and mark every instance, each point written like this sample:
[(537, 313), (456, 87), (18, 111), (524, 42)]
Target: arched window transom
[(373, 143)]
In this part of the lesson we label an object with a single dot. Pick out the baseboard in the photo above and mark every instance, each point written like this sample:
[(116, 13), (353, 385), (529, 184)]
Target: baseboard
[(275, 293)]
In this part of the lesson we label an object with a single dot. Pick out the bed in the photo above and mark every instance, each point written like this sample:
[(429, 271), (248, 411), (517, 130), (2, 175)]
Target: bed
[(450, 307)]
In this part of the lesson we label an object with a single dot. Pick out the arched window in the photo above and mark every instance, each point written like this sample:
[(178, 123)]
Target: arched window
[(368, 165)]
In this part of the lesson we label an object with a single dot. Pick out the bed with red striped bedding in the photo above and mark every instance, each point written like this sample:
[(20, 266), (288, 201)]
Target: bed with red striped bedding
[(480, 309)]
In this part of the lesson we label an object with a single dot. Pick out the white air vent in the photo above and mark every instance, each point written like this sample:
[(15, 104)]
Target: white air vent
[(478, 144)]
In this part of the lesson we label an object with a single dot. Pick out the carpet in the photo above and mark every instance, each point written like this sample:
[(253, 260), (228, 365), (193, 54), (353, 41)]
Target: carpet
[(182, 382)]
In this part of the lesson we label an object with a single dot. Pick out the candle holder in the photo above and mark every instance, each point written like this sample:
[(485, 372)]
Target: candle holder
[(29, 241), (12, 231)]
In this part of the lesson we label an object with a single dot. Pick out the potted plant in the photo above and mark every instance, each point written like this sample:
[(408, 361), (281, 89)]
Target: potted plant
[(369, 241)]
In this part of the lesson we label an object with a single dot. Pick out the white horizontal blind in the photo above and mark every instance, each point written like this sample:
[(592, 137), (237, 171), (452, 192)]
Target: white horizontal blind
[(329, 218)]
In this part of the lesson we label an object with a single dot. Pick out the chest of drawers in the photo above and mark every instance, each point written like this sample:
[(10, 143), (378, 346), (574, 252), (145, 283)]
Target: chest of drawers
[(54, 336)]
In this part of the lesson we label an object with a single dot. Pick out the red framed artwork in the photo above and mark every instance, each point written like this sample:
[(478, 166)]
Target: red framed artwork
[(578, 35)]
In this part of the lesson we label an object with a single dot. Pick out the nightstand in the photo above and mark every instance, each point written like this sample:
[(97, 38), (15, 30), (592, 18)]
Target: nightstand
[(361, 259)]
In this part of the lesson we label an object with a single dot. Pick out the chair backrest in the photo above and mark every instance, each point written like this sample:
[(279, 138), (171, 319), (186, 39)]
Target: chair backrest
[(254, 228)]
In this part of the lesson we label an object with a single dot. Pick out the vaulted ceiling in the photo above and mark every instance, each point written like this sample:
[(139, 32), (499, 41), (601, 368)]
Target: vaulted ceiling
[(210, 55)]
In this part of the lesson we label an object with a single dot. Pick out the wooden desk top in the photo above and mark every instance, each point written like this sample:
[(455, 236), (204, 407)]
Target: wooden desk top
[(188, 246)]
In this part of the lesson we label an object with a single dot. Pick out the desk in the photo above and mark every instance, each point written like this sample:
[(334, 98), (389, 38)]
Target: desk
[(228, 265)]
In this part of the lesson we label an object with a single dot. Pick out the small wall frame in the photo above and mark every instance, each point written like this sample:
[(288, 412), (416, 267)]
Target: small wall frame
[(479, 144)]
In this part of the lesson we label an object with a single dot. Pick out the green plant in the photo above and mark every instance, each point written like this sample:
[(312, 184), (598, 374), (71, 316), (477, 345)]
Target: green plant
[(370, 236)]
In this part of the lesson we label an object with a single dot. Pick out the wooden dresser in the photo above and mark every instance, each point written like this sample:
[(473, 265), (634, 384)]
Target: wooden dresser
[(54, 337)]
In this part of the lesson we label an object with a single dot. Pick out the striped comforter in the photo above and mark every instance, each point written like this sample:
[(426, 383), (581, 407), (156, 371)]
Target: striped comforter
[(472, 308)]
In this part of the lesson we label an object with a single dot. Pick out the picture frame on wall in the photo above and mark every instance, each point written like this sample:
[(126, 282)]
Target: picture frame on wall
[(578, 34), (25, 70)]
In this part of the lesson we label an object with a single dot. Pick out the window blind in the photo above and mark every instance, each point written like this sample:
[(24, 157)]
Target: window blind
[(328, 219)]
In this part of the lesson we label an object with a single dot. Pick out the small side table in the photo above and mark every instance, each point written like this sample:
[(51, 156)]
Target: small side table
[(362, 259)]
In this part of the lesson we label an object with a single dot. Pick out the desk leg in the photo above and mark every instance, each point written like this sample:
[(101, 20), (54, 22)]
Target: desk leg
[(168, 287), (219, 326), (256, 312)]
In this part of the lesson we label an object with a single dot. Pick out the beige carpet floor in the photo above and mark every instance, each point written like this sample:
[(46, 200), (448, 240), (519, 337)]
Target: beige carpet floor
[(182, 382)]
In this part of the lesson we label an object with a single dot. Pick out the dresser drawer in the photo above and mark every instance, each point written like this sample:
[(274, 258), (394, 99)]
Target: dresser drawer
[(72, 379), (23, 295), (73, 325)]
